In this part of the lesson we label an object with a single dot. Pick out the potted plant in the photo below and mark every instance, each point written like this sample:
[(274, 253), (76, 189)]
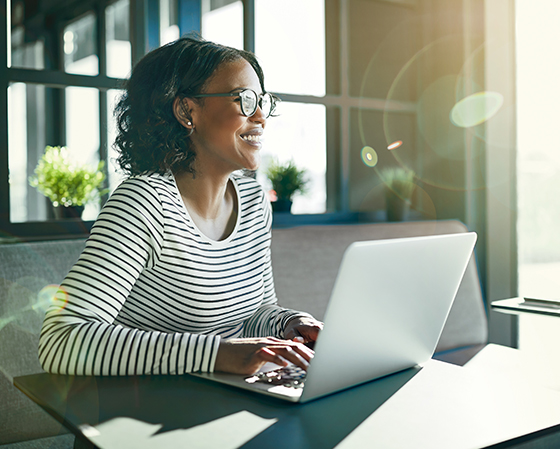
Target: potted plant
[(399, 186), (286, 180), (68, 185)]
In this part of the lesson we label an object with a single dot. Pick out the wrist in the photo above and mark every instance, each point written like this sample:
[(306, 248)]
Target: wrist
[(217, 344)]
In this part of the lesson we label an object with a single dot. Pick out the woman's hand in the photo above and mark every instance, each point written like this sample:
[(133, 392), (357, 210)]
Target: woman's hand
[(303, 329), (247, 355)]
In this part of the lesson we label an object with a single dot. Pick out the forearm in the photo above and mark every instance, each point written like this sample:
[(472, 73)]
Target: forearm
[(76, 346), (270, 321)]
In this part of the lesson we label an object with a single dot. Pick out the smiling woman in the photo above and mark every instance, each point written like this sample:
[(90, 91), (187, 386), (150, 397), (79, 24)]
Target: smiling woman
[(221, 124), (176, 276)]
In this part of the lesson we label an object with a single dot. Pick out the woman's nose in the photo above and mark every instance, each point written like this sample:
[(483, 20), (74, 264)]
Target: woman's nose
[(258, 116)]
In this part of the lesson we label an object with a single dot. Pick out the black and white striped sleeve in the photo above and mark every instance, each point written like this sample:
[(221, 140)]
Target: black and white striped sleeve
[(79, 335)]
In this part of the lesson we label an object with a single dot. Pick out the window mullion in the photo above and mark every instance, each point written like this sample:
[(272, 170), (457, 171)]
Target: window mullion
[(190, 16), (102, 54), (4, 81), (101, 39), (249, 25), (138, 29)]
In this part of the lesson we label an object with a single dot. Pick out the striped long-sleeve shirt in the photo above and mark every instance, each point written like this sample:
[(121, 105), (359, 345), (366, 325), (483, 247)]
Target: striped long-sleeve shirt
[(152, 294)]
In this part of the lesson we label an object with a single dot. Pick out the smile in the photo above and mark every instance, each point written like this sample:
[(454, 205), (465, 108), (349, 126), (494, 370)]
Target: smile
[(251, 138)]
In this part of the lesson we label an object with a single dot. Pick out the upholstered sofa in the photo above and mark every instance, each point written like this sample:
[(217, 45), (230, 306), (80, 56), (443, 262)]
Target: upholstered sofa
[(25, 270), (305, 261)]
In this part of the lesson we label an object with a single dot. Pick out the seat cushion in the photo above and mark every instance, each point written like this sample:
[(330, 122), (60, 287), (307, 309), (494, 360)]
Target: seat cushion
[(55, 442), (305, 261), (25, 270)]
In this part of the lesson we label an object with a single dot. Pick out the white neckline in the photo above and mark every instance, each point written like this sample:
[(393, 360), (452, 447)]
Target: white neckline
[(233, 233)]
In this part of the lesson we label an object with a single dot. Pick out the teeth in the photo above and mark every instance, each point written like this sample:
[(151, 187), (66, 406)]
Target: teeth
[(251, 138)]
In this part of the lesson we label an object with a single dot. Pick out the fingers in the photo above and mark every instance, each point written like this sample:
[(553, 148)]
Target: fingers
[(267, 355), (310, 333), (245, 356), (305, 327), (290, 351)]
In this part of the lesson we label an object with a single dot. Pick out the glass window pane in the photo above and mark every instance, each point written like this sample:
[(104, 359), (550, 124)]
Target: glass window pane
[(80, 48), (224, 24), (27, 55), (168, 21), (292, 55), (299, 134), (538, 167), (17, 113), (18, 42), (82, 132), (114, 173), (119, 52), (26, 131)]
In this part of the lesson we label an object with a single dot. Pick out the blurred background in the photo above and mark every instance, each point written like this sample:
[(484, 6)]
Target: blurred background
[(460, 93)]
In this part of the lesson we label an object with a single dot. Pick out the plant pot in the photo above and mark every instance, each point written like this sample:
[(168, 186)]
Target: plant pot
[(63, 212), (397, 208), (282, 205)]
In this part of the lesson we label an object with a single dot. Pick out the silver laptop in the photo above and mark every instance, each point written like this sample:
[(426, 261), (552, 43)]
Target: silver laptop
[(386, 313)]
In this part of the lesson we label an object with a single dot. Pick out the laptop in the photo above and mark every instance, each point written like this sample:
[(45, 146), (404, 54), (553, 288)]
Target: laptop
[(386, 312)]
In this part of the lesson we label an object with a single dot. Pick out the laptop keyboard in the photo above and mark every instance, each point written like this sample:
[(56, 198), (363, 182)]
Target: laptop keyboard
[(288, 376)]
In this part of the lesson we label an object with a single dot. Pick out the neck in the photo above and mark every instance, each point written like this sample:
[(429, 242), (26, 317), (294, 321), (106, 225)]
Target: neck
[(208, 197)]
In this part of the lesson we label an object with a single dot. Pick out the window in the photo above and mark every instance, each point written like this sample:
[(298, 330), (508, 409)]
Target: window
[(169, 21), (80, 46), (117, 28), (223, 22), (294, 63), (334, 64), (538, 166), (57, 94), (27, 137)]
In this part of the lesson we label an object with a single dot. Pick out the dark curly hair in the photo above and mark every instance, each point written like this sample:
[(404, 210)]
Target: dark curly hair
[(149, 137)]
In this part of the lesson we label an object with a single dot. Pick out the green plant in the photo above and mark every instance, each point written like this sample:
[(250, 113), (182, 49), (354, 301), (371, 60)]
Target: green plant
[(64, 182), (286, 179), (398, 181)]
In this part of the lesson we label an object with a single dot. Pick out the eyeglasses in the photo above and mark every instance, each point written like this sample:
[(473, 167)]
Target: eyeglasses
[(250, 101)]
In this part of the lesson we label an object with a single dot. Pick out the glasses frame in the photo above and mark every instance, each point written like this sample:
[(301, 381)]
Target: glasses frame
[(273, 100)]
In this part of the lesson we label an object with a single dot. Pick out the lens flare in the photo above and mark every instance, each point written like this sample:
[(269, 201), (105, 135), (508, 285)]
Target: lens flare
[(476, 109), (61, 298), (395, 145), (45, 298), (369, 156), (419, 104), (50, 294)]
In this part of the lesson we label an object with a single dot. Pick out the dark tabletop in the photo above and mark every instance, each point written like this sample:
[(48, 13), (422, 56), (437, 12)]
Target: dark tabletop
[(181, 402), (449, 400)]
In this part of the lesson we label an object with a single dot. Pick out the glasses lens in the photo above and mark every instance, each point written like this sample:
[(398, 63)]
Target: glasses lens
[(266, 104), (248, 102)]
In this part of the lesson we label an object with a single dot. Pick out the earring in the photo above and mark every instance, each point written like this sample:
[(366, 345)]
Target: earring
[(189, 123)]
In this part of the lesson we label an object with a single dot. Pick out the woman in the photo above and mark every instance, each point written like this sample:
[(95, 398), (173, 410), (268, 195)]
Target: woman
[(176, 276)]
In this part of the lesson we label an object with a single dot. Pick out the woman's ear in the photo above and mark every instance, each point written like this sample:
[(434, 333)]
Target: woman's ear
[(181, 110)]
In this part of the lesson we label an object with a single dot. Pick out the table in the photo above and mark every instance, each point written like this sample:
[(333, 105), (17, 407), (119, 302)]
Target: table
[(515, 306), (438, 406)]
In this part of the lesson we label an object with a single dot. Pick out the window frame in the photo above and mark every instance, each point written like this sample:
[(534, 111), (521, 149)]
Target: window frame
[(142, 38)]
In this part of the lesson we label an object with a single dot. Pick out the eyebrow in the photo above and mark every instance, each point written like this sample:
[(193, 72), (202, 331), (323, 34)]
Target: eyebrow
[(245, 88)]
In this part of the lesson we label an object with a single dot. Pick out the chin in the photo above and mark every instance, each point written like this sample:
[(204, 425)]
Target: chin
[(252, 165)]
